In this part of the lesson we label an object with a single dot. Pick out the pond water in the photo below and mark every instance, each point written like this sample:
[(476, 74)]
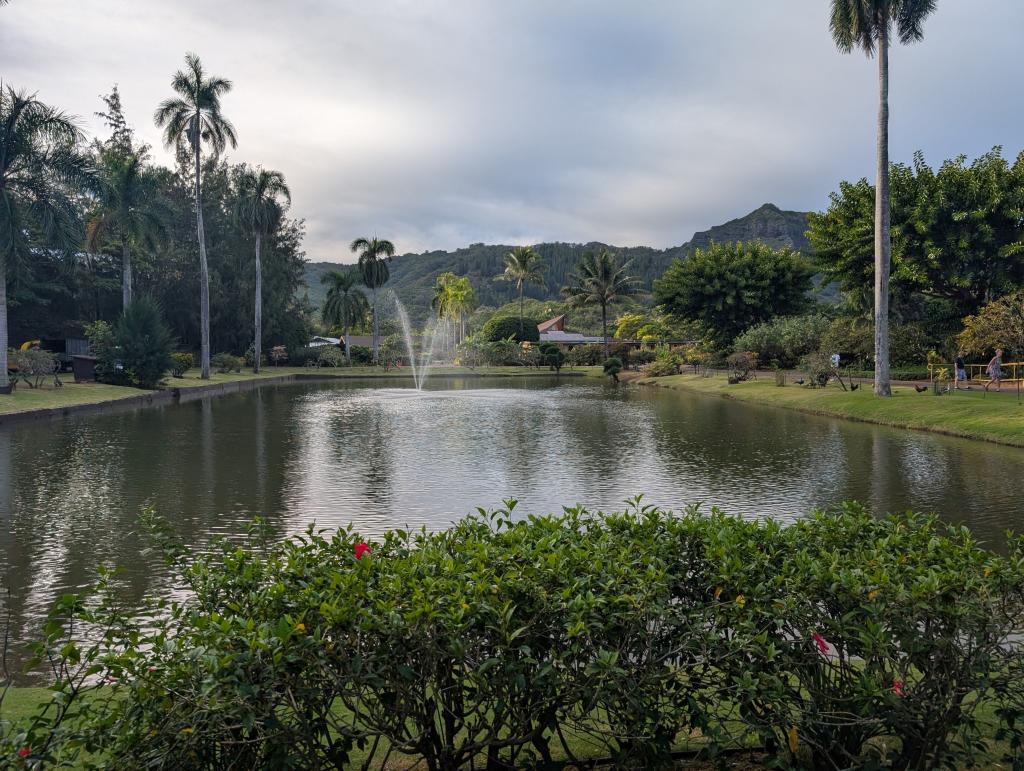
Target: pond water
[(334, 453)]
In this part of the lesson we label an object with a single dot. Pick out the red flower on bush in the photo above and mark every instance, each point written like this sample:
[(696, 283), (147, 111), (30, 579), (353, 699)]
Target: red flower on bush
[(897, 687), (820, 642), (362, 549), (24, 752)]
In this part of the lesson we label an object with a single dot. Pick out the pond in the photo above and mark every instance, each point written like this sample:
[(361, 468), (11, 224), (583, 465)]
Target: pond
[(334, 453)]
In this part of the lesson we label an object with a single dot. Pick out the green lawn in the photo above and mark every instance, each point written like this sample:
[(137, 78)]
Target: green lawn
[(994, 417)]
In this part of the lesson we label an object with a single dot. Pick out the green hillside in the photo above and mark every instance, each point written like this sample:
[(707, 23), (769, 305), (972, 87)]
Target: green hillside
[(413, 275)]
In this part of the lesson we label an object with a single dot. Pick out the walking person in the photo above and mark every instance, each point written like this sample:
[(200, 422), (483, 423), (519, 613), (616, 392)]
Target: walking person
[(961, 372), (995, 370)]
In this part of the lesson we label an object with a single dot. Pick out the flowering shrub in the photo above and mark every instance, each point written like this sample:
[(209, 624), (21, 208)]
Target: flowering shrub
[(839, 641), (181, 363)]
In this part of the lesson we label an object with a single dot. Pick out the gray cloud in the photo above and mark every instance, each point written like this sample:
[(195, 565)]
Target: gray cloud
[(441, 123)]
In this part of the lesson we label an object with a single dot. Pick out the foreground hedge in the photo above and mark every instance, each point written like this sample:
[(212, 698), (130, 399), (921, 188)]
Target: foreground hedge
[(839, 641)]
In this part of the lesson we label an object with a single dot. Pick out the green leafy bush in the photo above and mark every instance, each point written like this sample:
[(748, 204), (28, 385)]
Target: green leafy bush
[(104, 346), (226, 362), (552, 356), (144, 343), (612, 367), (783, 342), (585, 356), (330, 356), (181, 363), (35, 365), (841, 641), (503, 327), (361, 355)]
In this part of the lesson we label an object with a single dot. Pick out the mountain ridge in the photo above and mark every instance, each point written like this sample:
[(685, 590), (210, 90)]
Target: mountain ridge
[(413, 275)]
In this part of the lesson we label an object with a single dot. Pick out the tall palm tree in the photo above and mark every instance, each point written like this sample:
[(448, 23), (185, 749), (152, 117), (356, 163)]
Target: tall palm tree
[(40, 163), (523, 266), (374, 256), (128, 209), (259, 210), (868, 25), (600, 280), (188, 120), (462, 301), (346, 306), (441, 301)]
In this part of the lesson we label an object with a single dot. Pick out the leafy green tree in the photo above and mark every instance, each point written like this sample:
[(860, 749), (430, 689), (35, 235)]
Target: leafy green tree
[(1000, 324), (346, 306), (128, 208), (145, 343), (957, 234), (523, 266), (600, 280), (259, 209), (375, 254), (869, 25), (40, 164), (504, 327), (731, 287), (189, 119)]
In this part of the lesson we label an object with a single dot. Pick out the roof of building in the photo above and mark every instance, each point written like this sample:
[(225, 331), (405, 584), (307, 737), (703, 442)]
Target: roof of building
[(559, 336), (557, 323)]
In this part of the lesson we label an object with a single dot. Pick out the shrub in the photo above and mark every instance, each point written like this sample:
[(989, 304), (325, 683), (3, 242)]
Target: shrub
[(504, 327), (104, 346), (301, 357), (840, 641), (661, 368), (181, 363), (552, 356), (585, 356), (783, 342), (361, 354), (145, 343), (226, 362), (250, 356), (278, 354), (612, 367), (741, 364), (330, 356), (818, 367), (36, 365)]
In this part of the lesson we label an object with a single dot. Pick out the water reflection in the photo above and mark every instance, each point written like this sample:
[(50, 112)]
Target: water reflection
[(71, 489)]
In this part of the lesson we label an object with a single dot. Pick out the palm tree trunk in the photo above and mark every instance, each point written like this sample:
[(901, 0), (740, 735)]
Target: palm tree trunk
[(883, 239), (204, 280), (258, 345), (126, 273), (376, 328), (521, 311), (4, 381), (604, 327), (348, 345)]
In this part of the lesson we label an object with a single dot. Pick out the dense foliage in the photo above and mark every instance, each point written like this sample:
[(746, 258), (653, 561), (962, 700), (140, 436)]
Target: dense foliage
[(731, 287), (784, 341), (145, 343), (503, 327), (840, 641)]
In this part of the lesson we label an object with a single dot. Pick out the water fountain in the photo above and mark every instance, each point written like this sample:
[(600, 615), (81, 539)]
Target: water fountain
[(422, 370)]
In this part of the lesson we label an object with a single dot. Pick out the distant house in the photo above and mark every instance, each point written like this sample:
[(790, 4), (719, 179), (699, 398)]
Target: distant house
[(364, 340), (553, 331), (320, 340)]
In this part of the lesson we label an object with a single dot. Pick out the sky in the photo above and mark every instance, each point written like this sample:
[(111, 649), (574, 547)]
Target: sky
[(440, 123)]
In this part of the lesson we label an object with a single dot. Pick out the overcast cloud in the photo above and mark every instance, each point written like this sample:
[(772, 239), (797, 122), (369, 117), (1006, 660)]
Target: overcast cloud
[(438, 123)]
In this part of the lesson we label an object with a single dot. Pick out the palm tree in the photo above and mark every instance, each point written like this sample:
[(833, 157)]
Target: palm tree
[(868, 24), (188, 120), (39, 163), (259, 211), (462, 301), (441, 301), (600, 280), (523, 266), (346, 306), (128, 209), (374, 256)]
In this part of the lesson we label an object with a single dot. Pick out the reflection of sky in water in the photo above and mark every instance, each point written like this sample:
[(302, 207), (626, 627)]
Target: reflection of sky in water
[(71, 489)]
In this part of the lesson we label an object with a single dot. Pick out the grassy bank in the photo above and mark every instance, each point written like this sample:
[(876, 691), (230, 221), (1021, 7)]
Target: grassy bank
[(992, 417), (72, 394)]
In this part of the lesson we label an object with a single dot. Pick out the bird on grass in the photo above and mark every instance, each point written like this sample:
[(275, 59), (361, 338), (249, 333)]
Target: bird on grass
[(920, 388), (800, 381), (854, 386)]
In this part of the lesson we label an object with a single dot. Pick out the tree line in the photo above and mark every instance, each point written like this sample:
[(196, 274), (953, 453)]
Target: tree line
[(86, 227)]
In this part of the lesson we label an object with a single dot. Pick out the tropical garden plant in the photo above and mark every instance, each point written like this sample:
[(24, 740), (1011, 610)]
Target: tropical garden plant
[(345, 306), (870, 26), (523, 266), (601, 280), (374, 256), (191, 119), (260, 202)]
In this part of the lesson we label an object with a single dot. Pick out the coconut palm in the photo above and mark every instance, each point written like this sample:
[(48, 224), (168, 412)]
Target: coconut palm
[(462, 301), (188, 120), (869, 25), (346, 306), (600, 280), (259, 210), (128, 209), (441, 301), (374, 256), (523, 266), (40, 163)]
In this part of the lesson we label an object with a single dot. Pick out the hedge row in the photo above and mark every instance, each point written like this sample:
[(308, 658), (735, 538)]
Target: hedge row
[(839, 641)]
